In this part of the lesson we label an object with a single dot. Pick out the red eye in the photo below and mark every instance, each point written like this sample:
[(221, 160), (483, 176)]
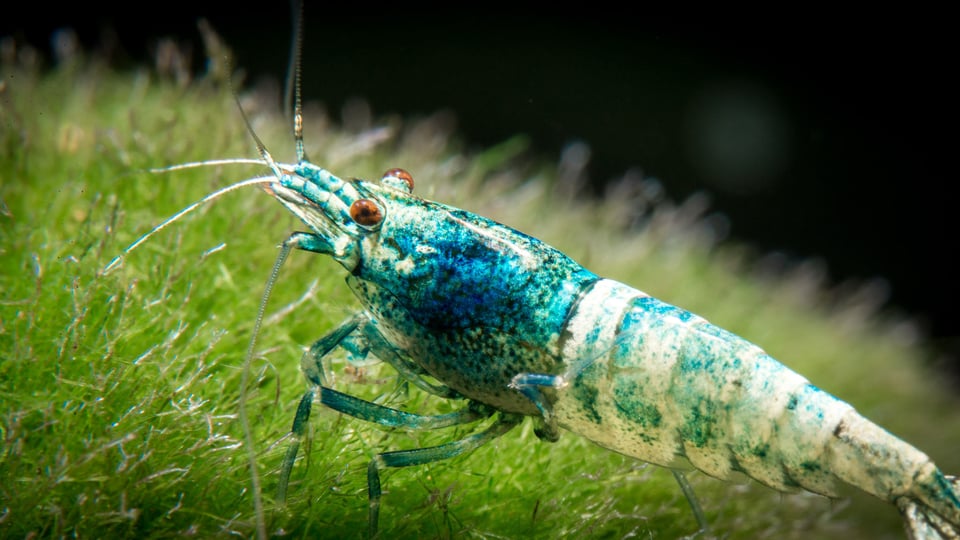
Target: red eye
[(401, 175), (366, 212)]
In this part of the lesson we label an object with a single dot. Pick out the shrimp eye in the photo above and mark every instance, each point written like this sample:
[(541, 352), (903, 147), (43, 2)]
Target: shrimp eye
[(398, 179), (366, 212)]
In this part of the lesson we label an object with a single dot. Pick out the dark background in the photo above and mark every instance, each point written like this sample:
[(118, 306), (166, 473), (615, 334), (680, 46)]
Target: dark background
[(821, 135)]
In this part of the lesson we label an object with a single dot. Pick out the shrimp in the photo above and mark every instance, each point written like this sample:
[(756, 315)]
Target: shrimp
[(467, 308), (519, 329)]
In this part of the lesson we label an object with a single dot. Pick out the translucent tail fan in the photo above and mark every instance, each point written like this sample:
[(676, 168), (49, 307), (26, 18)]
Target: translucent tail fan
[(924, 523)]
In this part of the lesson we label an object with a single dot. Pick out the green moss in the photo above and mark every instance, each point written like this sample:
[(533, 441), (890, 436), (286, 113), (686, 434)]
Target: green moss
[(118, 392)]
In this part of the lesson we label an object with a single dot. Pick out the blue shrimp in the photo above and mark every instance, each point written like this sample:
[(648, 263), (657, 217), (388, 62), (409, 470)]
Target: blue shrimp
[(516, 328)]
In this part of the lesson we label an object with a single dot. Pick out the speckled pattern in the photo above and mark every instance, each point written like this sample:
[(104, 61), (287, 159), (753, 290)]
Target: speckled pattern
[(472, 301), (475, 303)]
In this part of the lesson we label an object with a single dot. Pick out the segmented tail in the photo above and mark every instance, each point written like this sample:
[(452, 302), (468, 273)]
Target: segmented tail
[(929, 521)]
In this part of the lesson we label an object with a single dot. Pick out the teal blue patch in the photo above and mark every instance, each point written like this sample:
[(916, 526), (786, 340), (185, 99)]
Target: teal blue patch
[(628, 398), (792, 403), (700, 426), (945, 490), (586, 395)]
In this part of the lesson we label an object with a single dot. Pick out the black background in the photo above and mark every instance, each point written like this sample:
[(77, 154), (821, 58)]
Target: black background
[(854, 115)]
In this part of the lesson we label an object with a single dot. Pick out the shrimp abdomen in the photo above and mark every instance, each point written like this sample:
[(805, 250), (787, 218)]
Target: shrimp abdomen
[(658, 383)]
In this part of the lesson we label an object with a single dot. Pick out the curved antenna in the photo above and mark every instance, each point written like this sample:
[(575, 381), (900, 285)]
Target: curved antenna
[(207, 163), (186, 210), (244, 419), (274, 274)]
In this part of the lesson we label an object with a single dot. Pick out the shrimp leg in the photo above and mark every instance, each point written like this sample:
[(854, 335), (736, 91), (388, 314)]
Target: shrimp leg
[(421, 456), (386, 416), (358, 336)]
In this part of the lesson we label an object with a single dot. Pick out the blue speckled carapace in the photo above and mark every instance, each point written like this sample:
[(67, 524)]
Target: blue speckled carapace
[(448, 288)]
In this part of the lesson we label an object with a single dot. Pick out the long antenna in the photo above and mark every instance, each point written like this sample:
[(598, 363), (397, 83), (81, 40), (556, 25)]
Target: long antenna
[(297, 61), (293, 68), (291, 63), (193, 206), (244, 418)]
